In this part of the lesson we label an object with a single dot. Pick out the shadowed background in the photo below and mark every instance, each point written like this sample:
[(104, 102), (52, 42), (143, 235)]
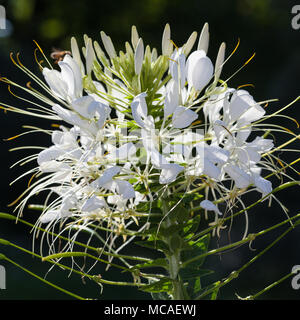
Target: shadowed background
[(263, 26)]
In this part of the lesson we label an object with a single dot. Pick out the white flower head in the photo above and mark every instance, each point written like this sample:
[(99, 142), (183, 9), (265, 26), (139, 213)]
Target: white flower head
[(135, 127)]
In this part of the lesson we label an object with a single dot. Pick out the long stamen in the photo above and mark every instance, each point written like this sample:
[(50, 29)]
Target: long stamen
[(42, 52)]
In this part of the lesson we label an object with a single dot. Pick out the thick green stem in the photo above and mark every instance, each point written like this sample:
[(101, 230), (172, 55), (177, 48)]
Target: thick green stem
[(174, 261), (173, 258)]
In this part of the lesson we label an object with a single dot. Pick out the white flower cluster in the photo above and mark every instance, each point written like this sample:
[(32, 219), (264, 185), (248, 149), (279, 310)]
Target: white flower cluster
[(136, 122)]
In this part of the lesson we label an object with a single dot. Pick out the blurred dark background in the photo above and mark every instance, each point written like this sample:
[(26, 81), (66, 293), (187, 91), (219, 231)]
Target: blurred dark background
[(263, 26)]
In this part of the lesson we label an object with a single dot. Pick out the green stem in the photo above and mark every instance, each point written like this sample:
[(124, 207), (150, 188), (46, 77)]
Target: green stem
[(173, 259), (81, 254), (82, 274), (252, 297), (43, 280), (120, 256), (250, 237), (279, 188), (2, 241), (236, 273), (117, 283)]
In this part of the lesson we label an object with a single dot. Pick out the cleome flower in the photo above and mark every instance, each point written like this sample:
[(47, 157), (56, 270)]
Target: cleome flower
[(136, 123)]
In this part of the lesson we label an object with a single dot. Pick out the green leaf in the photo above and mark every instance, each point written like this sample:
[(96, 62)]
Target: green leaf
[(181, 213), (161, 262), (194, 286), (194, 249), (192, 225), (189, 273), (214, 294), (172, 229), (160, 296), (175, 243), (210, 296), (153, 244), (163, 285)]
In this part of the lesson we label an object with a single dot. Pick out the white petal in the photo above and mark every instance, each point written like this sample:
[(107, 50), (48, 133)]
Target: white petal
[(243, 107), (220, 61), (240, 177), (93, 204), (139, 57), (100, 111), (108, 45), (183, 117), (182, 72), (49, 216), (154, 54), (247, 154), (81, 105), (204, 38), (190, 43), (199, 70), (166, 44), (261, 144), (254, 113), (76, 55), (57, 137), (220, 131), (139, 197), (171, 98), (106, 177), (71, 74), (56, 83), (68, 203), (49, 154), (139, 109), (212, 107), (54, 166), (125, 189), (134, 37), (205, 166), (214, 154), (177, 67), (208, 205), (243, 132), (90, 57), (117, 200), (169, 172), (263, 185), (74, 119), (124, 152), (157, 159)]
